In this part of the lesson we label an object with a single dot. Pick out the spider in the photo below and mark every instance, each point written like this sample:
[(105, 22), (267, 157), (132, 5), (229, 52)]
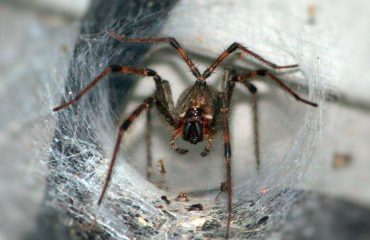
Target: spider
[(201, 110)]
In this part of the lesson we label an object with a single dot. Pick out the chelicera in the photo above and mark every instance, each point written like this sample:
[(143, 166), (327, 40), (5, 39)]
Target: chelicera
[(201, 110)]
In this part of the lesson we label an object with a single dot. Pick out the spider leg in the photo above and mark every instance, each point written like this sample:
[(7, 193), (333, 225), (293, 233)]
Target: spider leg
[(253, 90), (164, 101), (172, 41), (228, 84), (261, 73), (227, 154), (265, 73), (165, 107), (228, 87), (223, 188), (125, 125), (113, 68), (232, 48), (149, 130), (173, 144), (208, 147)]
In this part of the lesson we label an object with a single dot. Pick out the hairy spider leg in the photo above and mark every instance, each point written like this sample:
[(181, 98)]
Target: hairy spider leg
[(232, 48), (207, 149), (228, 83), (172, 41), (227, 154), (163, 95), (221, 118), (262, 73), (125, 125), (148, 139), (108, 70), (173, 145), (253, 90), (266, 73)]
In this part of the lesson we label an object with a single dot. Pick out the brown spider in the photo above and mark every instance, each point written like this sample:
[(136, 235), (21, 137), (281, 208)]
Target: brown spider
[(201, 109)]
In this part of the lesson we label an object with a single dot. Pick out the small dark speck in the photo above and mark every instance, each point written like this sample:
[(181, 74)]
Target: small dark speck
[(139, 233), (165, 199), (263, 220), (196, 207)]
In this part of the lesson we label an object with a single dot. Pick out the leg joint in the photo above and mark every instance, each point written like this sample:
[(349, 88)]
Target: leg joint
[(174, 43), (150, 72), (233, 47), (252, 88), (262, 72), (227, 150), (126, 124), (206, 73), (115, 68)]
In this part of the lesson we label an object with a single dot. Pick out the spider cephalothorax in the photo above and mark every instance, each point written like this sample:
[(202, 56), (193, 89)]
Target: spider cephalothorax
[(201, 110)]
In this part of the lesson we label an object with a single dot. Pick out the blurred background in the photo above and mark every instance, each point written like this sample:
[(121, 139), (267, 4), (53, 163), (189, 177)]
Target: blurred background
[(37, 41)]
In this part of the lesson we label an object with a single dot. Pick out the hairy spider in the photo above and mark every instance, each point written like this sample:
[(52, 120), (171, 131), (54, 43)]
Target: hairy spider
[(201, 110)]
